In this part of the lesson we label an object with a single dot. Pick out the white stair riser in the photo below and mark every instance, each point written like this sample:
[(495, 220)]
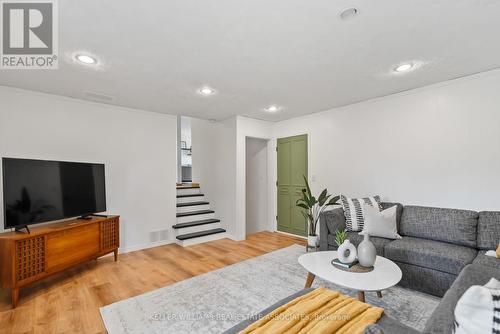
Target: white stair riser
[(188, 191), (200, 240), (193, 208), (195, 217), (191, 199), (199, 228)]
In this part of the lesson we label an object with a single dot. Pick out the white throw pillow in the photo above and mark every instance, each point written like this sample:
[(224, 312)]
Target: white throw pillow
[(477, 308), (380, 224)]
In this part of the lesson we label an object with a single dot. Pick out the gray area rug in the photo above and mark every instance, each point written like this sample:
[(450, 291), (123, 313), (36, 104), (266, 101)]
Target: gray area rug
[(215, 301)]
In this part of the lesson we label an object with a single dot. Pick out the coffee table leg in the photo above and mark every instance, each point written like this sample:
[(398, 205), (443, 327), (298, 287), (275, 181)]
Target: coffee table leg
[(309, 280), (361, 296), (379, 294)]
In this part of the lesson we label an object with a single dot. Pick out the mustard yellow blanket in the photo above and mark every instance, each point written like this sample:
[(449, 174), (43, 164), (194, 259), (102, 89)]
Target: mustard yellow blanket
[(320, 311)]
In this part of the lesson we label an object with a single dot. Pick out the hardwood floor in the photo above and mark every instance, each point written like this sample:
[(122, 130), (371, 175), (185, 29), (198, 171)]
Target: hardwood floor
[(69, 302)]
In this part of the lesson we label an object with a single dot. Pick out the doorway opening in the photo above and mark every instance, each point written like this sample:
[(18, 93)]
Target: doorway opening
[(256, 185), (184, 168), (292, 167)]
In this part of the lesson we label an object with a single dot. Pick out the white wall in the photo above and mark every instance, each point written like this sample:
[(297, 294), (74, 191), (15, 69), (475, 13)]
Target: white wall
[(214, 166), (436, 146), (137, 147), (256, 185)]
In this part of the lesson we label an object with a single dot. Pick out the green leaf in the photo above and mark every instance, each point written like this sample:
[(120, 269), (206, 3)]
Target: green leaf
[(340, 237), (312, 201), (334, 200), (300, 200), (307, 186), (304, 206), (322, 197)]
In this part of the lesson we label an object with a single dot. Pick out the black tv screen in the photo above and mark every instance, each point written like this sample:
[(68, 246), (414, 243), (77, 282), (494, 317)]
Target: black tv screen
[(36, 191)]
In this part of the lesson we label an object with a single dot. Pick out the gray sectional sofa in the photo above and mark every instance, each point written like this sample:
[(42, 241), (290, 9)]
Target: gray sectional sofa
[(442, 252)]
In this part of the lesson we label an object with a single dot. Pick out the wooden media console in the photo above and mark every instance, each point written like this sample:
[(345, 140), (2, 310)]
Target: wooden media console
[(51, 248)]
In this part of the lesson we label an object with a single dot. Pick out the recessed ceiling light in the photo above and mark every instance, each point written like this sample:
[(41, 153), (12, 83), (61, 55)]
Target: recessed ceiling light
[(404, 67), (86, 59), (206, 91), (348, 13), (272, 108)]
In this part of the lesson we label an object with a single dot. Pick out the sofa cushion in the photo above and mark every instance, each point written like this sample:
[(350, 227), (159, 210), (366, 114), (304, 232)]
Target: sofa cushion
[(449, 225), (488, 230), (430, 281), (356, 239), (399, 211), (442, 320), (431, 254), (334, 219), (488, 261)]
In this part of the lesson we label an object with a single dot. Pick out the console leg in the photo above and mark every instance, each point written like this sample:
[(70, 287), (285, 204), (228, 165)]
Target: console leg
[(361, 296), (309, 280), (116, 254), (15, 297)]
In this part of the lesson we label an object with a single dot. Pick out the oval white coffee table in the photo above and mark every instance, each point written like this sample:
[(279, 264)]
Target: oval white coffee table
[(384, 275)]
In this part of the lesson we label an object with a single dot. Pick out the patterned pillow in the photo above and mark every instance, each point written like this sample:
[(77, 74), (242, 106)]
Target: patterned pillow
[(353, 211)]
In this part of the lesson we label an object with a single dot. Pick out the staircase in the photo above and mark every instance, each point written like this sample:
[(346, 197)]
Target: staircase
[(196, 222)]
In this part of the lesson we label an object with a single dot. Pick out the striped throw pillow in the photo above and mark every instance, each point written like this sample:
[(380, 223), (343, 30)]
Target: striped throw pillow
[(353, 211)]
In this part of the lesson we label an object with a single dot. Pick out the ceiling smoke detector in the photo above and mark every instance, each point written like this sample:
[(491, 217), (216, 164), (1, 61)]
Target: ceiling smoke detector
[(348, 13)]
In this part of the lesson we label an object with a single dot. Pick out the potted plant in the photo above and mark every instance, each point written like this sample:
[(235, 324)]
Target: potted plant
[(340, 237), (313, 207)]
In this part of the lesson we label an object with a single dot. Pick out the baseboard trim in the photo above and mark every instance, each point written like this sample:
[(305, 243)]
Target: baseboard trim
[(291, 235), (134, 248)]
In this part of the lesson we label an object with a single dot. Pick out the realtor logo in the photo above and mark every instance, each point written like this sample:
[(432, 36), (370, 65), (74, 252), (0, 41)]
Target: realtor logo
[(29, 35)]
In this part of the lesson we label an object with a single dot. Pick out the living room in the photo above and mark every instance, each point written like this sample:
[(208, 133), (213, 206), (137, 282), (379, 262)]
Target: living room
[(392, 107)]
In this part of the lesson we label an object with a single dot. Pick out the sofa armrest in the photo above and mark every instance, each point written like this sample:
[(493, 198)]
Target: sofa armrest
[(387, 325), (329, 223)]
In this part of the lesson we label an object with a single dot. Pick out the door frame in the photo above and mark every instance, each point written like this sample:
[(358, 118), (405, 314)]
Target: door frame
[(268, 193), (275, 170), (241, 189)]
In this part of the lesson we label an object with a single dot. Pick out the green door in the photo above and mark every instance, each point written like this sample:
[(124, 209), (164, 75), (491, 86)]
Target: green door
[(292, 165)]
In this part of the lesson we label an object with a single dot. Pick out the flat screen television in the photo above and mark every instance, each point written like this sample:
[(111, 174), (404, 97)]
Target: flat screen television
[(37, 191)]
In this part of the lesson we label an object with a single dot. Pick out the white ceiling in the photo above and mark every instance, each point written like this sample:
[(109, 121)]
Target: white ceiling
[(154, 55)]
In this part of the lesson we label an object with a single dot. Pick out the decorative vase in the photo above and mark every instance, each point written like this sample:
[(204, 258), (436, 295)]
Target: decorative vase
[(347, 252), (312, 240), (366, 252)]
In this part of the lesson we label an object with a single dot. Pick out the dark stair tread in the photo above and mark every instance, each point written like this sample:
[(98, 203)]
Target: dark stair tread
[(194, 213), (196, 223), (189, 195), (200, 234), (179, 205), (188, 187)]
